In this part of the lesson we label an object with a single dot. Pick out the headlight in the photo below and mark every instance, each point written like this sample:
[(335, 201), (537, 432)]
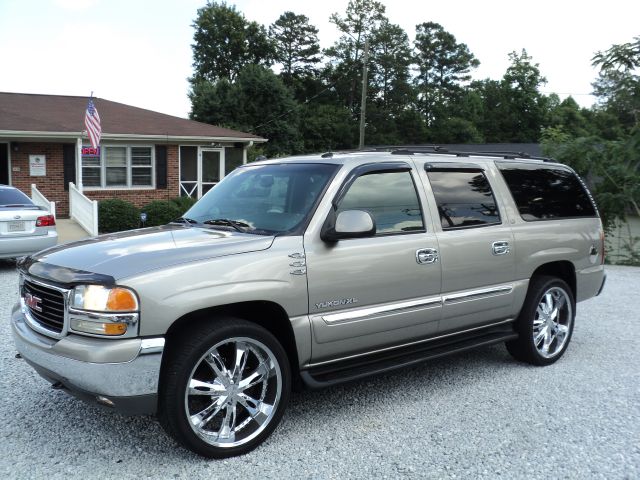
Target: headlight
[(102, 299), (98, 310)]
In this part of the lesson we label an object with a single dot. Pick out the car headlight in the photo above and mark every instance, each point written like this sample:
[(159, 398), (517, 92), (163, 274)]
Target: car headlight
[(102, 299), (99, 310)]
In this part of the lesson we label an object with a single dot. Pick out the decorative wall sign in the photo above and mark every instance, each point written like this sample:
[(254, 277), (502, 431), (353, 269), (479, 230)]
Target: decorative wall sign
[(37, 165)]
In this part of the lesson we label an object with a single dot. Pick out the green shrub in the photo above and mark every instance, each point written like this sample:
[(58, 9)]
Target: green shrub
[(160, 212), (183, 203), (115, 215)]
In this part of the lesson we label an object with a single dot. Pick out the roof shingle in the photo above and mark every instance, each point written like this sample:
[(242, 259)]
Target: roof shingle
[(26, 112)]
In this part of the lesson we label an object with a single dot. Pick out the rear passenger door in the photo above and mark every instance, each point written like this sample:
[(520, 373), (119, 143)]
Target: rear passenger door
[(476, 246)]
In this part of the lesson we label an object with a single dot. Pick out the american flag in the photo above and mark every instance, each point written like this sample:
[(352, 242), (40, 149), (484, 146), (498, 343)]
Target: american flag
[(92, 122)]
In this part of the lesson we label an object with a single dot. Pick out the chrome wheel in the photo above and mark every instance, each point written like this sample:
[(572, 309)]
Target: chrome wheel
[(233, 392), (552, 322)]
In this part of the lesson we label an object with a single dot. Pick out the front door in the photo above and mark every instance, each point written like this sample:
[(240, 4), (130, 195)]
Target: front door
[(4, 163), (200, 170), (379, 291)]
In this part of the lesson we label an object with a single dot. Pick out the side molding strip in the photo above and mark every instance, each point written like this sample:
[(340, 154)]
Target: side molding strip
[(477, 294), (372, 311)]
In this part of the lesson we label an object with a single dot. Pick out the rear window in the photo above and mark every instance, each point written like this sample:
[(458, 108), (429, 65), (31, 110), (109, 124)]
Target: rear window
[(546, 193), (11, 196), (464, 199)]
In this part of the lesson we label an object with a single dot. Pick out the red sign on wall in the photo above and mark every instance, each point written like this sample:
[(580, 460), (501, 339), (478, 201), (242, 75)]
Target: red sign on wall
[(90, 151)]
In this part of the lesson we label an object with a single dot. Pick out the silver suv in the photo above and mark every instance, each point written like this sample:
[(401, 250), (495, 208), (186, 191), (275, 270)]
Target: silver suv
[(311, 271)]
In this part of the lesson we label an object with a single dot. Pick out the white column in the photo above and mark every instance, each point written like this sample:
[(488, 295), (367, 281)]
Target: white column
[(79, 163)]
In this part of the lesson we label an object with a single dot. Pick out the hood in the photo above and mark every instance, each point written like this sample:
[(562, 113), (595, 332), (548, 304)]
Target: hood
[(107, 258)]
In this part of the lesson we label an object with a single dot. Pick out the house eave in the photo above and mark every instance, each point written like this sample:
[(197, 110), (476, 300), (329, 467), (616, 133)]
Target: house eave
[(20, 134)]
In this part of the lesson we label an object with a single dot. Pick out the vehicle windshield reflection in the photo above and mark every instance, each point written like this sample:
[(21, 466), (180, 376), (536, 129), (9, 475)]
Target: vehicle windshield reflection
[(263, 199)]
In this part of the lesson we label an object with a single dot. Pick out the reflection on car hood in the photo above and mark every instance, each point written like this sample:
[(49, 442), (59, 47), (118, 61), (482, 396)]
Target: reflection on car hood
[(129, 253)]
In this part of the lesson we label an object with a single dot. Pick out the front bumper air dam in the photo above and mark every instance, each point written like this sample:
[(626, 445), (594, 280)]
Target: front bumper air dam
[(121, 374)]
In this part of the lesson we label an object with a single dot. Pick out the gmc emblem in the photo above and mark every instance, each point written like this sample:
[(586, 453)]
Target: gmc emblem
[(33, 302)]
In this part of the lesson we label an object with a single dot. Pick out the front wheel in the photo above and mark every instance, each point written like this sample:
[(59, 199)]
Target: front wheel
[(545, 323), (225, 387)]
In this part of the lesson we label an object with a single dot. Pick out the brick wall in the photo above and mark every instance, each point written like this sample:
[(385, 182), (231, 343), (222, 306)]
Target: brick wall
[(52, 186)]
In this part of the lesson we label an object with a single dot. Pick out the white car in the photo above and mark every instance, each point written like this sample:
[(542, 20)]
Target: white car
[(25, 228)]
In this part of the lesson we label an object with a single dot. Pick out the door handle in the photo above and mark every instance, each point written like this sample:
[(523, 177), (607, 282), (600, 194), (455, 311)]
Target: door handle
[(500, 247), (427, 255)]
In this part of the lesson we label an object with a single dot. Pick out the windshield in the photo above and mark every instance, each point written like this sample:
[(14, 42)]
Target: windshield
[(266, 199), (11, 196)]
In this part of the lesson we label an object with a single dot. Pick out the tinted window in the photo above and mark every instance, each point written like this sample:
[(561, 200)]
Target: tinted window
[(390, 197), (267, 198), (464, 199), (546, 193), (11, 196)]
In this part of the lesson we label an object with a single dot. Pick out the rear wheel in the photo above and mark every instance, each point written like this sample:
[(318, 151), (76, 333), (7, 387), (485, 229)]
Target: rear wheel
[(225, 388), (545, 323)]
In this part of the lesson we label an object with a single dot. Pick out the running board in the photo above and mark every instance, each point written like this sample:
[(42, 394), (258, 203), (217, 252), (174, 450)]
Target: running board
[(353, 369)]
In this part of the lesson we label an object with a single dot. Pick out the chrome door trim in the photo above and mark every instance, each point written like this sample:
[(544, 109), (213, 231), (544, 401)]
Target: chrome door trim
[(477, 294), (500, 247), (349, 357), (362, 313), (425, 256)]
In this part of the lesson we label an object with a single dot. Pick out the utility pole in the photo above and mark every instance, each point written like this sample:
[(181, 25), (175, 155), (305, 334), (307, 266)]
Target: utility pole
[(363, 101)]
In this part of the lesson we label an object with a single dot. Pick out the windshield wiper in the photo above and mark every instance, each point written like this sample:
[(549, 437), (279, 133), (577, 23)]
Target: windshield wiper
[(188, 221), (237, 225)]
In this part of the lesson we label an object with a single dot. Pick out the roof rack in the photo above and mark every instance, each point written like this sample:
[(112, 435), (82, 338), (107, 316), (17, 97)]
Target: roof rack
[(508, 155)]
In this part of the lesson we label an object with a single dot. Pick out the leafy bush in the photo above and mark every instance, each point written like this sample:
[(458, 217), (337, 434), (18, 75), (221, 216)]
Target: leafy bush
[(115, 215), (160, 212), (183, 203)]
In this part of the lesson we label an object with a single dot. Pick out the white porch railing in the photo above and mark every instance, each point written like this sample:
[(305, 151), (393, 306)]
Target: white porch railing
[(39, 199), (83, 210)]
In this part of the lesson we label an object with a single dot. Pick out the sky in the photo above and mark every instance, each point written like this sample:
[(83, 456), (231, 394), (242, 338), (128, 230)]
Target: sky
[(138, 52)]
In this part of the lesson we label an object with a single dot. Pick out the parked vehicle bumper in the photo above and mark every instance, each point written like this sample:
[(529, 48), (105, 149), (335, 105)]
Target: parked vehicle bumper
[(121, 374), (12, 247)]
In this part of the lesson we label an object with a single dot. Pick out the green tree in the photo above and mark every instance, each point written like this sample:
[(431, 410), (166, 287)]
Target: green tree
[(568, 116), (527, 105), (618, 85), (225, 41), (327, 127), (444, 65), (296, 46), (258, 102), (390, 93), (344, 70)]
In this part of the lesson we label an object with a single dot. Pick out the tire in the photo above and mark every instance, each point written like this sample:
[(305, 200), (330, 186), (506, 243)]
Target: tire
[(545, 323), (224, 388)]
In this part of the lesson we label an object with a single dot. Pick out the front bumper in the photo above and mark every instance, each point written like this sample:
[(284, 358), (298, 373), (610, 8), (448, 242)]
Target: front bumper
[(122, 374)]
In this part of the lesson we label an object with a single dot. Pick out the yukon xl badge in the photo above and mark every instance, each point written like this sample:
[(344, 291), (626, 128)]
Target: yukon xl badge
[(336, 303)]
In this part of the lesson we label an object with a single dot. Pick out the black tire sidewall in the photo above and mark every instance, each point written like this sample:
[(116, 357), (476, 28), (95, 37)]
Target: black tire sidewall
[(177, 374)]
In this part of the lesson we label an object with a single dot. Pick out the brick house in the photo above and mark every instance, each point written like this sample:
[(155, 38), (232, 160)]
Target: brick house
[(143, 155)]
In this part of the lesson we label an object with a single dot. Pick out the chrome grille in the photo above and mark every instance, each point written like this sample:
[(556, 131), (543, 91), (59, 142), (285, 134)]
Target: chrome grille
[(51, 305)]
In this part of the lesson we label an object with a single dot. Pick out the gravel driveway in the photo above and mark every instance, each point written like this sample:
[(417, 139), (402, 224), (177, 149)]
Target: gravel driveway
[(474, 415)]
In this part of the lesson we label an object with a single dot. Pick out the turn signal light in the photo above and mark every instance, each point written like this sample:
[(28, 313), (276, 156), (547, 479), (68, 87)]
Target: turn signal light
[(98, 328), (46, 221), (121, 300)]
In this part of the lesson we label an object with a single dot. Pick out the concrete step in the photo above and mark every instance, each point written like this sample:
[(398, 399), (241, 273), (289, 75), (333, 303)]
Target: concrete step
[(69, 230)]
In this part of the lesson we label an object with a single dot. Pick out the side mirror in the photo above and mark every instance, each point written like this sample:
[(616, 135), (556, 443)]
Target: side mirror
[(348, 224)]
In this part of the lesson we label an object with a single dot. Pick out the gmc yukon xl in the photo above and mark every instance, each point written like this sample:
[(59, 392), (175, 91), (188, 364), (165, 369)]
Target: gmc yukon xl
[(312, 271)]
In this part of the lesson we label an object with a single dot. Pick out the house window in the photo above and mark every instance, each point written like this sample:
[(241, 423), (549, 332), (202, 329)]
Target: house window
[(119, 167)]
